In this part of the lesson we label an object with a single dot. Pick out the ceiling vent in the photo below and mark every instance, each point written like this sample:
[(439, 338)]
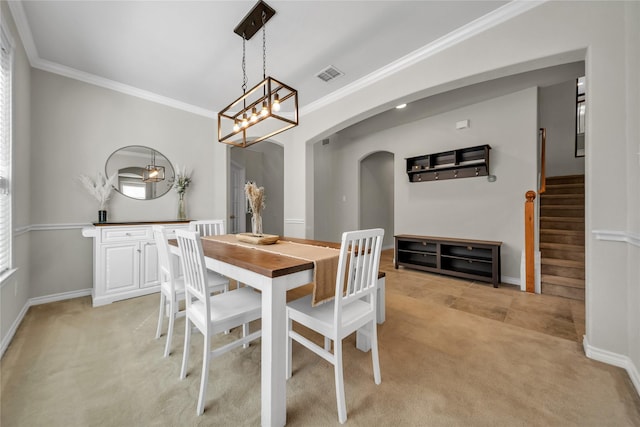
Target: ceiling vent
[(329, 73)]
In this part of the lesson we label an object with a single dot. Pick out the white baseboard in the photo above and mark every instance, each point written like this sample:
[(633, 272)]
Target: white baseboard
[(614, 359), (59, 297), (37, 301), (12, 331)]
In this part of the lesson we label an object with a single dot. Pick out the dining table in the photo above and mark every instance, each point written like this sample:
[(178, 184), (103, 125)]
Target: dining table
[(273, 275)]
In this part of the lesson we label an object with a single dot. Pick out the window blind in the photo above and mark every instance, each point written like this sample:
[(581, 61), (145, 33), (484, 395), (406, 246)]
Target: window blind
[(6, 65)]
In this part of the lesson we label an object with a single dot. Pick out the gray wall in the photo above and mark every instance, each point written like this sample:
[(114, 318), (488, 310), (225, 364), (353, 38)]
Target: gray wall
[(14, 292), (376, 194), (471, 208), (75, 127), (264, 164), (557, 114)]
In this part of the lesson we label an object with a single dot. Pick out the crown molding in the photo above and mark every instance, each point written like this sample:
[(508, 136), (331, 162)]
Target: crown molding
[(24, 30), (72, 73), (496, 17), (490, 20)]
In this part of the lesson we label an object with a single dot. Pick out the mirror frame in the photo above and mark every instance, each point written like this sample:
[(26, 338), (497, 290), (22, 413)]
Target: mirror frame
[(133, 171)]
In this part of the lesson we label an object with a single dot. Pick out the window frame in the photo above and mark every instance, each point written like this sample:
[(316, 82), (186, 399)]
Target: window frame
[(6, 144)]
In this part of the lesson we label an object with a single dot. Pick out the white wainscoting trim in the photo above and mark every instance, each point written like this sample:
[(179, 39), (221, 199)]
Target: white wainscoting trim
[(617, 236), (614, 359), (47, 227), (293, 221), (37, 301)]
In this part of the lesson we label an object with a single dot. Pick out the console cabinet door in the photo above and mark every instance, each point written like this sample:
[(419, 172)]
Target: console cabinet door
[(120, 267), (150, 272)]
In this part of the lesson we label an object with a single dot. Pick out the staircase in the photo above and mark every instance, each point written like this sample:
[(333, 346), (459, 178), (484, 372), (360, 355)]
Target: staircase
[(562, 237)]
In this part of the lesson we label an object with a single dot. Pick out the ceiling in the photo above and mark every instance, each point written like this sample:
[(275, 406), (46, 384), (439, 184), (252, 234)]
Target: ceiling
[(185, 53)]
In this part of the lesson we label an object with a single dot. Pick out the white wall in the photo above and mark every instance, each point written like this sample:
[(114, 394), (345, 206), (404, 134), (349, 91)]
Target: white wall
[(557, 108), (603, 34)]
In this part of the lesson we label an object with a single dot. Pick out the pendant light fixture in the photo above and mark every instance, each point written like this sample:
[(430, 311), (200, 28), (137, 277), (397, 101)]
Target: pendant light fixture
[(267, 109), (153, 173)]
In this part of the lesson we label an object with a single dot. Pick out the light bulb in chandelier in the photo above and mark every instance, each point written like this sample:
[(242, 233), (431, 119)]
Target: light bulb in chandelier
[(236, 127), (265, 110), (245, 122), (254, 115), (276, 103)]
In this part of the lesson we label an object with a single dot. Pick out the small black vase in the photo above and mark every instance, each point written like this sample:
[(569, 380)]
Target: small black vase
[(102, 216)]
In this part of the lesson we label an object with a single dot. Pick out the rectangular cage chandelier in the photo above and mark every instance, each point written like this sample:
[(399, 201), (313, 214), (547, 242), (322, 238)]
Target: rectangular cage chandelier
[(267, 109)]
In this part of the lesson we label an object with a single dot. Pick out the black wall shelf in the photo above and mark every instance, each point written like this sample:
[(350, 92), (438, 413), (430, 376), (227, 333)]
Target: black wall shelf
[(461, 163)]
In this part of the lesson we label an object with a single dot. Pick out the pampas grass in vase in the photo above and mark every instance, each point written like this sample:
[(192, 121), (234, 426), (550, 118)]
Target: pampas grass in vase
[(255, 197), (100, 188)]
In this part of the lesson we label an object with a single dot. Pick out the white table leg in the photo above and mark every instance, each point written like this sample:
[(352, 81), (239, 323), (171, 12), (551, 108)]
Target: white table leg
[(274, 392)]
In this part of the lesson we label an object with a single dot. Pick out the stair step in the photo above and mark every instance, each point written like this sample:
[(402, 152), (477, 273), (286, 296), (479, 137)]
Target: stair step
[(562, 271), (562, 199), (567, 179), (561, 210), (561, 247), (564, 189), (562, 254), (552, 223), (563, 262), (562, 291), (571, 237), (562, 281)]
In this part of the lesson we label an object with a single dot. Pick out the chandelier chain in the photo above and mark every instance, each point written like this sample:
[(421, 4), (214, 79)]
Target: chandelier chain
[(244, 65), (264, 45)]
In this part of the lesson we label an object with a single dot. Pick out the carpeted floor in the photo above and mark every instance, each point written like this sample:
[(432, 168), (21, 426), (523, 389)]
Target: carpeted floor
[(452, 353)]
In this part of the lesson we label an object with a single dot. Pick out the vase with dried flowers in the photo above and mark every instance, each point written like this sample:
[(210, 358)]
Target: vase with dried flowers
[(181, 182), (100, 188), (255, 197)]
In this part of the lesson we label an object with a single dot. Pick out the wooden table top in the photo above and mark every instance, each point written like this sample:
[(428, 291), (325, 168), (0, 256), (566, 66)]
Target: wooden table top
[(262, 262)]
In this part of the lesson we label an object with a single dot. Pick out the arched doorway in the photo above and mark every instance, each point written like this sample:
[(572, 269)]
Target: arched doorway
[(377, 194)]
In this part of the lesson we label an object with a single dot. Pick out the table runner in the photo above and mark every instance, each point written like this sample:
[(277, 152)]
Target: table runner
[(325, 262)]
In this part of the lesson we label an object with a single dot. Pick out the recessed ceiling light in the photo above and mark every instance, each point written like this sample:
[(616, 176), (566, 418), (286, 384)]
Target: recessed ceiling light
[(401, 106)]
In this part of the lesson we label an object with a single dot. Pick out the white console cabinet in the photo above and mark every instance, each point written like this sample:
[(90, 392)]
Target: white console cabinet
[(125, 260)]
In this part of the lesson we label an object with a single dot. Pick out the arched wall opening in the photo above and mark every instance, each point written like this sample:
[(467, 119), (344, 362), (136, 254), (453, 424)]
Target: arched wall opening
[(376, 204)]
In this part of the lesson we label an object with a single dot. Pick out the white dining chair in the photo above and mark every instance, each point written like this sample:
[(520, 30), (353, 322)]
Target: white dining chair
[(352, 309), (211, 315), (208, 227), (172, 285)]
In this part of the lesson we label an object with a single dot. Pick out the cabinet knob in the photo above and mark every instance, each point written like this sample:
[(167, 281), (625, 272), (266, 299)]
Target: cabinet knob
[(138, 250)]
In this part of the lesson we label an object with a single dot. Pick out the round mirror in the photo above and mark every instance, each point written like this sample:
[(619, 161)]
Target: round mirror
[(143, 173)]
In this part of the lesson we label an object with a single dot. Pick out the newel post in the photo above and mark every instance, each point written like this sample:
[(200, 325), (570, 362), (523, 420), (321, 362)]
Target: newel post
[(529, 241)]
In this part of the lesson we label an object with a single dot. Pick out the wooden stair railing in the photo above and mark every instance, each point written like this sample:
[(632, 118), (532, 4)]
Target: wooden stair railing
[(543, 176), (529, 217), (529, 241)]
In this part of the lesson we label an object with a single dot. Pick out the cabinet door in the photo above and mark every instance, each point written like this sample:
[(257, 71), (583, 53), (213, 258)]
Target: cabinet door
[(121, 267), (150, 272)]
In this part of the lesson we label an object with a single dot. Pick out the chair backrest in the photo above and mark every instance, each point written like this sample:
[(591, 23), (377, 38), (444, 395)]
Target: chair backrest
[(208, 227), (193, 267), (160, 236), (358, 266)]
